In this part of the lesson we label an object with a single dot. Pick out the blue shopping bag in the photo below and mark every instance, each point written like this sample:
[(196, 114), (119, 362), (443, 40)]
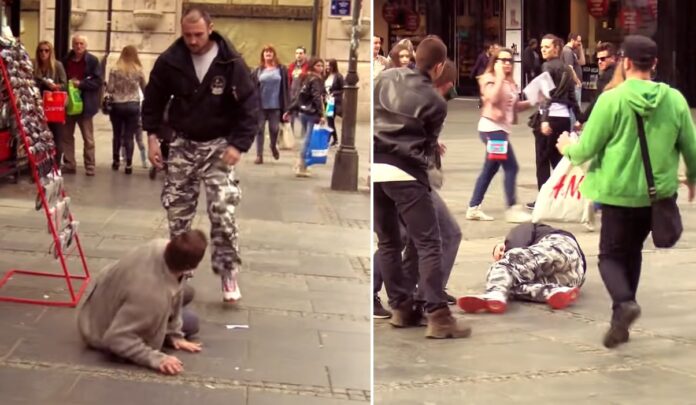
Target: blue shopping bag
[(318, 148)]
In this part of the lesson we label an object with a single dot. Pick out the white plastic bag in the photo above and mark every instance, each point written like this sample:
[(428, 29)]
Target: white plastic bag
[(560, 199), (286, 140)]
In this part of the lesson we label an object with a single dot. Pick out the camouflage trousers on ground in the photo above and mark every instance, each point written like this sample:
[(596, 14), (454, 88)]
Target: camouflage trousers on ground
[(531, 273), (189, 164)]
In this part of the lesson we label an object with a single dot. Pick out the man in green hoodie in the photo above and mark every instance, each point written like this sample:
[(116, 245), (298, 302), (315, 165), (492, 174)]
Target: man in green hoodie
[(616, 177)]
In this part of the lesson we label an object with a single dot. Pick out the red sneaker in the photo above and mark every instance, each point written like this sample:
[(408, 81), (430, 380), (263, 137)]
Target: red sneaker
[(560, 298), (481, 303)]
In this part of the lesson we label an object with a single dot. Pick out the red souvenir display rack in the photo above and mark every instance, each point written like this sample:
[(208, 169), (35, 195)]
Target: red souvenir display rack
[(16, 75)]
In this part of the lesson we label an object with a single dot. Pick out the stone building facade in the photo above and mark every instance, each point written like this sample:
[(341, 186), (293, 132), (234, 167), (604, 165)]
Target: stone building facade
[(152, 25)]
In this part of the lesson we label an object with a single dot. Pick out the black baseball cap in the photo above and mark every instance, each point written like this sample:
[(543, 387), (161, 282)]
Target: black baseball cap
[(639, 48)]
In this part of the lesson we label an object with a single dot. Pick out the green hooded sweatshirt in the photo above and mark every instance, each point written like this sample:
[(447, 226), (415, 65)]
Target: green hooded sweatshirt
[(610, 138)]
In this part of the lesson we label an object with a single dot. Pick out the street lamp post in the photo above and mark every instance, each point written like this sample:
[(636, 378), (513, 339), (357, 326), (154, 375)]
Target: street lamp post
[(345, 169)]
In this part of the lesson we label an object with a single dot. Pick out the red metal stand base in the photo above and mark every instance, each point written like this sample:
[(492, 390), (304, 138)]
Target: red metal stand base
[(75, 296)]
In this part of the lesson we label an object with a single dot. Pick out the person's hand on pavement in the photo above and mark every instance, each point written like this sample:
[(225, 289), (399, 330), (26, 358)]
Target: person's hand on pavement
[(441, 148), (171, 365), (498, 251), (187, 346)]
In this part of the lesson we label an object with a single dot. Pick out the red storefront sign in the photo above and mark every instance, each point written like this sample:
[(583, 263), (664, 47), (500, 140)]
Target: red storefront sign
[(389, 13), (412, 20), (598, 8), (629, 19)]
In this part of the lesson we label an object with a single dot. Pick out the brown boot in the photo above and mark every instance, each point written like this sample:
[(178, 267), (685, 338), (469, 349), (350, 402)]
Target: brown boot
[(406, 316), (442, 325), (259, 160)]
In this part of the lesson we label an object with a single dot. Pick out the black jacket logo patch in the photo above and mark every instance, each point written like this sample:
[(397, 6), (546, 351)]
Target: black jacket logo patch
[(217, 87)]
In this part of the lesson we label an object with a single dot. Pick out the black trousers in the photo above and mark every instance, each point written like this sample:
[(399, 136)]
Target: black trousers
[(331, 121), (547, 156), (411, 201), (623, 233), (124, 120)]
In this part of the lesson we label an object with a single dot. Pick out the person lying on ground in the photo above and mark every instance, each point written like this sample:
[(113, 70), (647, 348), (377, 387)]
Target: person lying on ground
[(536, 263)]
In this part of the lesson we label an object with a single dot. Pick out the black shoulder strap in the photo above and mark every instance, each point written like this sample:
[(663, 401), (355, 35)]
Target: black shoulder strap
[(652, 192)]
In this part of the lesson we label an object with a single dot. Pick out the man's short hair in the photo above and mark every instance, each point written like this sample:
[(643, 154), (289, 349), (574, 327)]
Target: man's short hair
[(301, 47), (572, 36), (184, 252), (607, 47), (533, 42), (449, 74), (195, 13), (430, 52), (554, 39)]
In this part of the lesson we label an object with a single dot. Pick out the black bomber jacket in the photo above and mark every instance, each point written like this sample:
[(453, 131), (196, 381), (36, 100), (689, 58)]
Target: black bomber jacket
[(226, 104)]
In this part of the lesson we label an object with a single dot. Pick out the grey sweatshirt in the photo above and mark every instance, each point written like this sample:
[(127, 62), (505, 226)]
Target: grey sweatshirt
[(129, 310)]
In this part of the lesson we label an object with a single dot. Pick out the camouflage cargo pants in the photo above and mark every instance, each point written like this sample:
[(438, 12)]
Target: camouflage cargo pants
[(190, 163), (531, 273)]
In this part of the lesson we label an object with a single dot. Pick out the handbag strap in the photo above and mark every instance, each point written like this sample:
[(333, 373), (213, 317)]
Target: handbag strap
[(652, 192)]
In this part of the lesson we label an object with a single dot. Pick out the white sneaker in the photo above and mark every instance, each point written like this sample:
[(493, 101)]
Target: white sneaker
[(230, 290), (476, 214), (517, 215)]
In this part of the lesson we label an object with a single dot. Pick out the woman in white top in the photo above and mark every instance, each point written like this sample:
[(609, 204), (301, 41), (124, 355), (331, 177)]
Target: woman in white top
[(499, 94)]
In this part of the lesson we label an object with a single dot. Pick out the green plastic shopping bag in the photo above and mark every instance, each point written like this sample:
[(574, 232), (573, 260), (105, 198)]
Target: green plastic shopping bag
[(75, 104)]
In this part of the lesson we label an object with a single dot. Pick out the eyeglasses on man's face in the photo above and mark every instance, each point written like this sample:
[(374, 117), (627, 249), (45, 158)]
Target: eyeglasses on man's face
[(505, 60)]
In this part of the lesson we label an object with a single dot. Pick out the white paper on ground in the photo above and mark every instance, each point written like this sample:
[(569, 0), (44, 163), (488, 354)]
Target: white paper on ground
[(237, 326), (541, 84)]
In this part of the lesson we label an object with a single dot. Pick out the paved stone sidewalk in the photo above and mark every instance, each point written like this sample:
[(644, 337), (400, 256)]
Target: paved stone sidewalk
[(305, 289), (531, 354)]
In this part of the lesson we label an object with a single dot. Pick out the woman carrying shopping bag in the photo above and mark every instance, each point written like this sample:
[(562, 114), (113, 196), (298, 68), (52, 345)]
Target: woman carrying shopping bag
[(501, 103), (126, 81), (49, 75), (310, 104)]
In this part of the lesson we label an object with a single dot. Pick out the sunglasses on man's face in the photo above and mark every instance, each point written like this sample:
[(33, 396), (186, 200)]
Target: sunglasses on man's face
[(603, 58)]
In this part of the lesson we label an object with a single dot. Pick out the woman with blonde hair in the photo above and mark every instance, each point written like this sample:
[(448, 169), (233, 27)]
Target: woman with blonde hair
[(501, 103), (271, 78), (124, 82), (49, 75)]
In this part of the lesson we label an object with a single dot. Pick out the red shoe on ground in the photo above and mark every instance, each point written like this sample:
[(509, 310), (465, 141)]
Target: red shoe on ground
[(562, 297), (481, 303)]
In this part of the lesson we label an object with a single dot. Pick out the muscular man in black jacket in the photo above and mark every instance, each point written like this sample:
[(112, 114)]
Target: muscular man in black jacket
[(409, 115), (213, 109)]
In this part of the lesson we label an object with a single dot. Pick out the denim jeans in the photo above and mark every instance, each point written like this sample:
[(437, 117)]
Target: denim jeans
[(273, 118), (308, 122), (621, 239), (411, 201), (490, 168), (124, 121)]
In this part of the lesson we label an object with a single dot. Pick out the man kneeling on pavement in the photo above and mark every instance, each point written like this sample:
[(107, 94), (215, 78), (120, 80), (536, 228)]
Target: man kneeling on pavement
[(536, 263), (137, 304)]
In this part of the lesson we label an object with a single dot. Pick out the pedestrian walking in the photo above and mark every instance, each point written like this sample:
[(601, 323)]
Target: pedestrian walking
[(501, 104), (213, 110), (126, 80), (334, 83), (49, 75), (83, 71), (554, 114), (271, 78), (309, 104), (531, 61), (409, 114), (618, 176)]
